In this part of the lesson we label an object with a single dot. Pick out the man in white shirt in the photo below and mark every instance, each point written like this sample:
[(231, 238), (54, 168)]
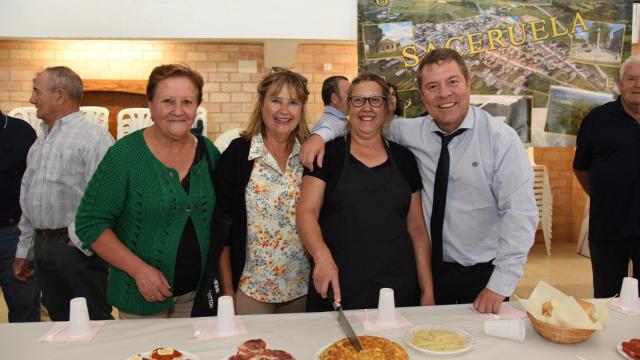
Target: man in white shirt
[(59, 166), (334, 97), (490, 218)]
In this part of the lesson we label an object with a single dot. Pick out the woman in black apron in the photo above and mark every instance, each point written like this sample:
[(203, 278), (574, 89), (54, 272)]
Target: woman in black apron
[(360, 216)]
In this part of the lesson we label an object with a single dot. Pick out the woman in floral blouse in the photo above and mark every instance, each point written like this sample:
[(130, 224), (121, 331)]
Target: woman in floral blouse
[(264, 264)]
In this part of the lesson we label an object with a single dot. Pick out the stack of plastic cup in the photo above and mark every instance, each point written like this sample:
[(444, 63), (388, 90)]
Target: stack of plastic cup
[(226, 316), (79, 323), (629, 293), (386, 307)]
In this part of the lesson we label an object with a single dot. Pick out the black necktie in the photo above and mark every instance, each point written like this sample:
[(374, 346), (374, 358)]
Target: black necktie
[(440, 198)]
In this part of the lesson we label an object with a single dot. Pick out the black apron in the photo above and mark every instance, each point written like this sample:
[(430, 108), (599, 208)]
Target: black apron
[(364, 224)]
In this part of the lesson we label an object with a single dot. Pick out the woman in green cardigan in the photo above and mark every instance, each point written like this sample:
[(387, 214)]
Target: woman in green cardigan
[(147, 210)]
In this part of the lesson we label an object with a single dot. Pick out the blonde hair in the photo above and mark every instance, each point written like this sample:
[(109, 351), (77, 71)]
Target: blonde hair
[(273, 83)]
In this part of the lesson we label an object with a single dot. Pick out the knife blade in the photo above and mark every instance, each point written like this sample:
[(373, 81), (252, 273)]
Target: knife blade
[(344, 323)]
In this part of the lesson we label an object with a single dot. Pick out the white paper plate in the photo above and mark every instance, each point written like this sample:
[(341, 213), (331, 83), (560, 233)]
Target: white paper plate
[(408, 335), (624, 355), (185, 355)]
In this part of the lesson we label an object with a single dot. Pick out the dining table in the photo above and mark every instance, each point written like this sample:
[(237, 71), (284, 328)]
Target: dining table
[(304, 335)]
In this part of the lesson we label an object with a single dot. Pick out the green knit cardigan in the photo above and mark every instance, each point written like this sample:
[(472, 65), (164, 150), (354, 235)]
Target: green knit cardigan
[(143, 202)]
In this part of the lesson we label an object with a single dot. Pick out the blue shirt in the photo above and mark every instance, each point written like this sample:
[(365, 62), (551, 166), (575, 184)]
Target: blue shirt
[(491, 211), (331, 119)]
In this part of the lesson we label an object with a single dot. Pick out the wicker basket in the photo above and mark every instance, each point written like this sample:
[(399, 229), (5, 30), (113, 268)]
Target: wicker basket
[(559, 335)]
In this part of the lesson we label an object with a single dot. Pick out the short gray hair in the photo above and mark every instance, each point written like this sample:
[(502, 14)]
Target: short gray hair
[(630, 60), (61, 77)]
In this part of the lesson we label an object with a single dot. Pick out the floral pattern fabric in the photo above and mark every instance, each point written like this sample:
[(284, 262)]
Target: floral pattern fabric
[(277, 267)]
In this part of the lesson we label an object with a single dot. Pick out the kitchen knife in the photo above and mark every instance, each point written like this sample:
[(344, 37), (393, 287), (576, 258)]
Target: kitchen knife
[(344, 323)]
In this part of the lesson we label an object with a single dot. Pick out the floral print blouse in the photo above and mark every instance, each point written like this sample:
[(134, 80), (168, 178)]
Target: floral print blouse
[(277, 267)]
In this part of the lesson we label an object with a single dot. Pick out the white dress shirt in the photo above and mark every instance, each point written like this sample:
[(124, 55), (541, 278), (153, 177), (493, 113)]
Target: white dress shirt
[(59, 167), (491, 211)]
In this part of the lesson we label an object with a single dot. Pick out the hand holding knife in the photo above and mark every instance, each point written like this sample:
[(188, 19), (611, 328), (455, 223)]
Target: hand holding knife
[(344, 323)]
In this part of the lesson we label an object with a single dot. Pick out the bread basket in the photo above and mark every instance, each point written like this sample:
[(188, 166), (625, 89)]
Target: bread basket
[(559, 335)]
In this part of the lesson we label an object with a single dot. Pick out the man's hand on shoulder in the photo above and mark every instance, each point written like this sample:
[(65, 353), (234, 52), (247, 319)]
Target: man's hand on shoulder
[(488, 302), (312, 149)]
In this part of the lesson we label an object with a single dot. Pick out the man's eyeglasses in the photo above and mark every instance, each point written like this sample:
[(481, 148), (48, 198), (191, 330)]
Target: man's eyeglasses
[(278, 69), (375, 101)]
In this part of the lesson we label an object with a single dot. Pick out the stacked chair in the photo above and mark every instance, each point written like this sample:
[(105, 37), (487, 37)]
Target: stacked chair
[(544, 199)]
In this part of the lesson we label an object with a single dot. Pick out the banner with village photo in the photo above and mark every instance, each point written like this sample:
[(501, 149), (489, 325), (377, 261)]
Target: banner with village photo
[(540, 65)]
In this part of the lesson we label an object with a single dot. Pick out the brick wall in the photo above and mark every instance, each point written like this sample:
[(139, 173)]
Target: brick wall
[(229, 95)]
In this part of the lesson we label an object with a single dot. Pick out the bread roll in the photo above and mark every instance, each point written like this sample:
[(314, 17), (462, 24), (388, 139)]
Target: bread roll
[(547, 307), (589, 308)]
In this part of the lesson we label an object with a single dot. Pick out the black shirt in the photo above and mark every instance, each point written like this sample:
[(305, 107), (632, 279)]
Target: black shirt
[(608, 147), (16, 137), (334, 160), (187, 272)]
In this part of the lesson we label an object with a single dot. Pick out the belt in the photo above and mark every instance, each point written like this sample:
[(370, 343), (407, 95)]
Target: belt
[(52, 232), (9, 222)]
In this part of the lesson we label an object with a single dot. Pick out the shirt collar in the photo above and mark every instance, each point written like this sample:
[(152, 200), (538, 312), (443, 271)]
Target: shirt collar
[(259, 149), (618, 104), (467, 123), (328, 109), (63, 122)]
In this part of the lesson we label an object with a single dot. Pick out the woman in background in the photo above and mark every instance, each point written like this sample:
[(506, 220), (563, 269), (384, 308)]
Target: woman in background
[(394, 99)]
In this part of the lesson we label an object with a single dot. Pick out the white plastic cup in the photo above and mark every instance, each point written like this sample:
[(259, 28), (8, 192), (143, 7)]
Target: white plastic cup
[(386, 307), (629, 293), (226, 315), (79, 323), (507, 329)]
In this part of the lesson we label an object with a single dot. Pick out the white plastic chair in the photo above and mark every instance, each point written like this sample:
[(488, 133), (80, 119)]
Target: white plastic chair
[(223, 140), (544, 199), (583, 236), (28, 114), (132, 119), (97, 115)]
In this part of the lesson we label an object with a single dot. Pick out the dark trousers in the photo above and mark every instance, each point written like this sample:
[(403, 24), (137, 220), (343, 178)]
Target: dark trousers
[(610, 264), (457, 284), (64, 272), (22, 298)]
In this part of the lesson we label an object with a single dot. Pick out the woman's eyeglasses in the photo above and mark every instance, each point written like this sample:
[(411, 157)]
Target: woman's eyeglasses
[(375, 101)]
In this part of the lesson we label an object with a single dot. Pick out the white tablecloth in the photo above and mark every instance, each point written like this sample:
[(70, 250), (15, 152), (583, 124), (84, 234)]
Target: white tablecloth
[(303, 335)]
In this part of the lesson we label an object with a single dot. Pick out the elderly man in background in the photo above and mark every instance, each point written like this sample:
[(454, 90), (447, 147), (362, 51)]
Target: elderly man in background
[(22, 297), (607, 166), (476, 166), (336, 103), (59, 166)]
